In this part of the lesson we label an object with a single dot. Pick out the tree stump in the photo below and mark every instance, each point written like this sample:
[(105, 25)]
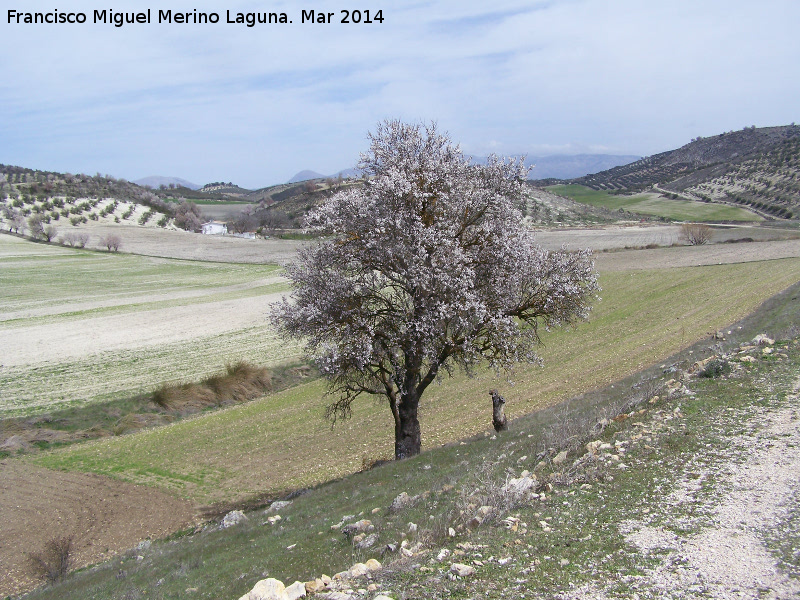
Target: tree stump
[(498, 411)]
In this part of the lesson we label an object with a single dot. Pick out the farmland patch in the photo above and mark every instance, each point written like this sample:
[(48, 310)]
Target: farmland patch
[(281, 442)]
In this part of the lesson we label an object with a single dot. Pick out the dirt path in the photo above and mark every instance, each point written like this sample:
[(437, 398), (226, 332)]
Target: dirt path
[(756, 491), (730, 559), (103, 515)]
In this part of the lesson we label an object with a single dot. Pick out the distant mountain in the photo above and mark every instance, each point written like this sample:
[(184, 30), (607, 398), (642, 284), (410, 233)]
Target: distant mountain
[(305, 175), (566, 166), (757, 168), (349, 173), (156, 181)]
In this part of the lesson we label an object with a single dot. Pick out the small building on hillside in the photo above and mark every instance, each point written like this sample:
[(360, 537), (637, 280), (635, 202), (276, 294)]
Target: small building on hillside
[(215, 228)]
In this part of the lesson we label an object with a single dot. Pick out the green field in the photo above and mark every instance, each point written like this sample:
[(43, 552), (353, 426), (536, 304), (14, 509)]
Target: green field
[(280, 442), (657, 206)]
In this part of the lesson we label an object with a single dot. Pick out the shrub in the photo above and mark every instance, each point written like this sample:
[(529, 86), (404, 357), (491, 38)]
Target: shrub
[(146, 217), (77, 240), (112, 242), (696, 234), (53, 564), (716, 368), (240, 382)]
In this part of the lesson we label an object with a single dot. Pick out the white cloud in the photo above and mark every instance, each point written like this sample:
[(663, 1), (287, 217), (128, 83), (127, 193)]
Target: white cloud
[(254, 105)]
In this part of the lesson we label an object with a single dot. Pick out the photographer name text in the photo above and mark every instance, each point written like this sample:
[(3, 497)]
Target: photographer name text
[(195, 17)]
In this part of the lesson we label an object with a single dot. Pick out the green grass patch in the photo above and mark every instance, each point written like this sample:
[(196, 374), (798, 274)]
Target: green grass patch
[(654, 205)]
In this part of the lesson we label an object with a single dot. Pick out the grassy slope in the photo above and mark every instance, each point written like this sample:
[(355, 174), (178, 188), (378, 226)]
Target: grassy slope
[(280, 443), (647, 204), (587, 522)]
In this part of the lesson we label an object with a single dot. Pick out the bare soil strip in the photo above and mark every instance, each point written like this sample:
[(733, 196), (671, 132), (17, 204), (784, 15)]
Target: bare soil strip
[(695, 256)]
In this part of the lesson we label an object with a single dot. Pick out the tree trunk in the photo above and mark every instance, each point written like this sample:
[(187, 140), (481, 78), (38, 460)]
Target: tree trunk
[(407, 435), (498, 412)]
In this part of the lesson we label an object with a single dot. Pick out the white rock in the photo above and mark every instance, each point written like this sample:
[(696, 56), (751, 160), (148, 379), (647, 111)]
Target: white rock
[(480, 516), (368, 541), (382, 597), (443, 553), (358, 570), (520, 486), (362, 526), (560, 458), (400, 502), (296, 590), (267, 589), (233, 518), (278, 505), (462, 570), (336, 596)]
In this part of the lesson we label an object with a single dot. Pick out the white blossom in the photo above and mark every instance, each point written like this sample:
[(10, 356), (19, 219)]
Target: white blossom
[(426, 269)]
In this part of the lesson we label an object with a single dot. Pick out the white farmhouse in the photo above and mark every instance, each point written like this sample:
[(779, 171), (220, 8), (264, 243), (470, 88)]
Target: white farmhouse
[(215, 228)]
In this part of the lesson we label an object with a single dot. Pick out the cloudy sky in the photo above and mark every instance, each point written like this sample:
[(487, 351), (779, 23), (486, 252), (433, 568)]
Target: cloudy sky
[(210, 102)]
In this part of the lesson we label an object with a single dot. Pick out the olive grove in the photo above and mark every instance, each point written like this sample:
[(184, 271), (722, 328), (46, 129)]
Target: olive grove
[(424, 270)]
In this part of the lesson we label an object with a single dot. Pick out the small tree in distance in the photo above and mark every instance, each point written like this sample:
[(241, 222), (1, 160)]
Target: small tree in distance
[(428, 270), (696, 234), (112, 242)]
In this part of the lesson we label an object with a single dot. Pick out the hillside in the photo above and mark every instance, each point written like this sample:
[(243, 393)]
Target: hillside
[(41, 185), (753, 167), (626, 491)]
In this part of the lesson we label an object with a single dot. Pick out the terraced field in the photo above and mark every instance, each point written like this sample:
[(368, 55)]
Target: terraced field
[(79, 326)]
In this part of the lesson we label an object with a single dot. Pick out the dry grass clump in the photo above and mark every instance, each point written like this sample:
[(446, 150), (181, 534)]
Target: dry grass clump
[(240, 382), (136, 421)]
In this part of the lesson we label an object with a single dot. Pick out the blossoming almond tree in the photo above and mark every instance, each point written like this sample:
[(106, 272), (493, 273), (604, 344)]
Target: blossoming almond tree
[(425, 269)]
